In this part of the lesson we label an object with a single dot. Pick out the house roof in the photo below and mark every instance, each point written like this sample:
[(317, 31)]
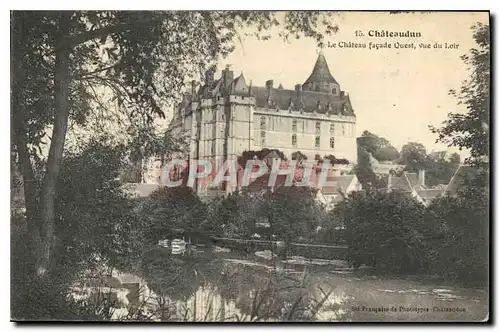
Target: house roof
[(400, 183), (271, 155), (460, 178), (343, 183), (428, 194), (141, 189), (412, 179)]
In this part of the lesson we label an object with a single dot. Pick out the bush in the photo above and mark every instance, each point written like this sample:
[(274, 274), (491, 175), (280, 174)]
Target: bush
[(383, 230), (460, 243)]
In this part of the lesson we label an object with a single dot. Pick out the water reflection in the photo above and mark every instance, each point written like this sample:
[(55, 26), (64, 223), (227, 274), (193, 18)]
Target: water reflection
[(227, 287)]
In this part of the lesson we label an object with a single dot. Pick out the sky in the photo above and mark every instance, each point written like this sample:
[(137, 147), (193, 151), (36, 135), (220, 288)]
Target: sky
[(395, 93)]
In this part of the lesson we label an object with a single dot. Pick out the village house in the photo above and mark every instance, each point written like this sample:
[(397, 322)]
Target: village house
[(414, 184)]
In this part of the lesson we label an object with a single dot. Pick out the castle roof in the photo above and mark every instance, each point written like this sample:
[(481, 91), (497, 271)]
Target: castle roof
[(239, 84), (279, 98), (307, 101), (321, 72)]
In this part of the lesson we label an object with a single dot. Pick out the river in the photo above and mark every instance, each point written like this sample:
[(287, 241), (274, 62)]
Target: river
[(225, 286)]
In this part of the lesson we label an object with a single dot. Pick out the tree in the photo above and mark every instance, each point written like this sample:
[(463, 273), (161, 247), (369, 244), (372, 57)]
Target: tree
[(380, 148), (458, 246), (439, 169), (364, 172), (95, 224), (382, 230), (236, 214), (470, 130), (413, 155), (61, 60), (170, 211), (299, 156), (335, 161), (294, 213), (260, 154)]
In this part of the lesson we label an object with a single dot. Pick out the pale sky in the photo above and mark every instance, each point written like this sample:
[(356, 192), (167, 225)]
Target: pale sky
[(395, 93)]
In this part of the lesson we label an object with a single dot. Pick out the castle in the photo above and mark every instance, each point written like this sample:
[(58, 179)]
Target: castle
[(227, 116)]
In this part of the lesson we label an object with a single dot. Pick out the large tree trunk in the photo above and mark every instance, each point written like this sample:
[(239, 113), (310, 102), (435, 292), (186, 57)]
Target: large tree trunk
[(18, 112), (61, 107)]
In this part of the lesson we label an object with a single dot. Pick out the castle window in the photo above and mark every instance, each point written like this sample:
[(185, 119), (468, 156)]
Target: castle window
[(294, 125), (334, 91), (343, 130), (332, 142), (332, 129), (294, 140), (316, 142), (345, 109), (215, 116), (318, 127), (262, 122), (262, 138), (213, 148)]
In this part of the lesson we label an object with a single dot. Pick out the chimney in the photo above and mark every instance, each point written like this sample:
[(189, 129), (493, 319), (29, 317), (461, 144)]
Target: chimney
[(193, 87), (298, 90), (269, 85), (342, 93), (421, 177), (209, 76), (389, 178), (227, 76)]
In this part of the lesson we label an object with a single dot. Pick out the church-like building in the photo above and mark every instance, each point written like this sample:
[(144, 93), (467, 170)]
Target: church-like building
[(227, 116)]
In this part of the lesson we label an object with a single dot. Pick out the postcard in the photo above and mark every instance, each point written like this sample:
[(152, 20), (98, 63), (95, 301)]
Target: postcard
[(250, 166)]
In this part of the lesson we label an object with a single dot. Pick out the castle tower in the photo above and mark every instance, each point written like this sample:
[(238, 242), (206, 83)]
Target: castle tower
[(321, 80)]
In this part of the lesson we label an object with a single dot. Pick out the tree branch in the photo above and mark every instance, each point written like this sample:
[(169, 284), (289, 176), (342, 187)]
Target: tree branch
[(101, 32)]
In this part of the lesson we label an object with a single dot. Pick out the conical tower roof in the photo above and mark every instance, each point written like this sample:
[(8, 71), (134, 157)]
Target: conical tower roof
[(321, 72)]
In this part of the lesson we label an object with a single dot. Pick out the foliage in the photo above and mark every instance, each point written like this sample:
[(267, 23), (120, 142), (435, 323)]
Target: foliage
[(95, 225), (380, 148), (294, 213), (95, 214), (460, 240), (439, 169), (335, 161), (171, 211), (382, 230), (413, 155), (393, 233), (236, 214), (298, 156), (470, 130), (260, 154), (364, 172)]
